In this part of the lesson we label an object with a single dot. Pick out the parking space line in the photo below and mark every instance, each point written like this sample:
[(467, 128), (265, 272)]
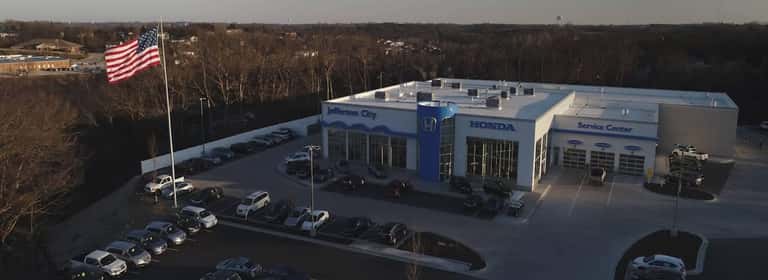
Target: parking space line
[(576, 198), (610, 192), (538, 203)]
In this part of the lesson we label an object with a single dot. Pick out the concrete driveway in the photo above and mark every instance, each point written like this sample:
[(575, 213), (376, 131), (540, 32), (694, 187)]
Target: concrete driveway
[(577, 231)]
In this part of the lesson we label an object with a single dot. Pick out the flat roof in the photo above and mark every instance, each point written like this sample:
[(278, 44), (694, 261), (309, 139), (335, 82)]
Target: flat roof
[(403, 97), (28, 58), (630, 104)]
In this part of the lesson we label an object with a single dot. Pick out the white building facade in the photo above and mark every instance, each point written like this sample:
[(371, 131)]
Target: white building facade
[(516, 131)]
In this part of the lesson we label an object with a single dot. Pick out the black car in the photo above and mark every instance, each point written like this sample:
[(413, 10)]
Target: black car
[(323, 175), (497, 188), (188, 224), (81, 272), (460, 184), (206, 196), (356, 226), (193, 166), (400, 187), (352, 182), (223, 153), (377, 171), (243, 148), (492, 206), (278, 211), (473, 202), (391, 233)]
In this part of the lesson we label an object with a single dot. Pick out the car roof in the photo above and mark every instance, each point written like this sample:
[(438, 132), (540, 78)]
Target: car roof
[(255, 194), (668, 259), (158, 224), (121, 245), (194, 209), (97, 254)]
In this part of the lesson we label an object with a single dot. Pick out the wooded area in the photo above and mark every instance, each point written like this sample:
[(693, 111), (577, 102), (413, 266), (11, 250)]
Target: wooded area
[(78, 133)]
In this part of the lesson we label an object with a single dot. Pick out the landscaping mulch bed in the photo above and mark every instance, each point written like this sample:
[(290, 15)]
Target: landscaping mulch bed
[(431, 244), (685, 192), (685, 246)]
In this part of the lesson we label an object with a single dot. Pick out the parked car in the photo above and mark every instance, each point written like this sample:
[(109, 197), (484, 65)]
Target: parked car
[(597, 175), (323, 175), (343, 166), (253, 202), (286, 132), (243, 148), (263, 141), (352, 182), (240, 265), (377, 171), (657, 264), (315, 220), (400, 187), (103, 260), (688, 151), (275, 139), (473, 202), (81, 272), (460, 184), (497, 188), (687, 180), (492, 206), (147, 240), (189, 224), (515, 207), (356, 226), (204, 217), (296, 217), (221, 275), (391, 233), (206, 195), (129, 252), (193, 166), (279, 211), (211, 159), (283, 137), (182, 188), (297, 156), (764, 125), (222, 153), (160, 182), (168, 231)]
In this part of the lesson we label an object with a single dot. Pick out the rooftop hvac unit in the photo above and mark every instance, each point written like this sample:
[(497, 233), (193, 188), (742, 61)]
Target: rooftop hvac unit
[(512, 91), (529, 91), (494, 87), (456, 85), (472, 92), (493, 102), (423, 96), (381, 95), (504, 94), (437, 83)]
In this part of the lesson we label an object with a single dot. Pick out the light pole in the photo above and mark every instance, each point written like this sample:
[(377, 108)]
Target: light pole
[(677, 158), (312, 149), (202, 121)]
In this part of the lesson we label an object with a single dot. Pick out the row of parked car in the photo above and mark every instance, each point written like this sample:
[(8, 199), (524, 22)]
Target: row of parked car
[(137, 247), (496, 196)]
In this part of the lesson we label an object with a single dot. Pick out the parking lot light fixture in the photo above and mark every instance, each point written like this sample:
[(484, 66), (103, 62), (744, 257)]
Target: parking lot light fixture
[(311, 149)]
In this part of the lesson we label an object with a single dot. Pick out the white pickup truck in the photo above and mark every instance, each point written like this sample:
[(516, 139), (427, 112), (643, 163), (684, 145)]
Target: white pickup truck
[(102, 260), (160, 182), (689, 151)]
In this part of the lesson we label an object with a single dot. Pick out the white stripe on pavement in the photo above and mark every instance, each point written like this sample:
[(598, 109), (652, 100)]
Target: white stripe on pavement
[(576, 198), (610, 193)]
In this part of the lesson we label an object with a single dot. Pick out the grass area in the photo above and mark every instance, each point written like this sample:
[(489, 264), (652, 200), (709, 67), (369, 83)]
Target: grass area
[(685, 246), (432, 244)]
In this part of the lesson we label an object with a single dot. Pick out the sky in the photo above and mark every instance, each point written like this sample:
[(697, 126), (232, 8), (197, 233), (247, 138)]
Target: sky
[(413, 11)]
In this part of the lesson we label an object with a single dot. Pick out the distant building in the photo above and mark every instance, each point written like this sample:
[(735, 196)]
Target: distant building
[(50, 45), (27, 63), (4, 35)]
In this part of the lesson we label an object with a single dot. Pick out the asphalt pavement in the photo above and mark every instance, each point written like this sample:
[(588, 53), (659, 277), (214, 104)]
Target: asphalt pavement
[(199, 256)]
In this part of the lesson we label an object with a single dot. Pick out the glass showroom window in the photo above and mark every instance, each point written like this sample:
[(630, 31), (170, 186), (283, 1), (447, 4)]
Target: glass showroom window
[(488, 157), (379, 150), (337, 144), (399, 152), (358, 146), (447, 129)]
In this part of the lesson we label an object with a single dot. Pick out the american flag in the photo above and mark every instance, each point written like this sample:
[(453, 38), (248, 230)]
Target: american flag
[(132, 57)]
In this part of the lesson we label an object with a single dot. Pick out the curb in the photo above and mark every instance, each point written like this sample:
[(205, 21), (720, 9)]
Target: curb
[(701, 256), (350, 248)]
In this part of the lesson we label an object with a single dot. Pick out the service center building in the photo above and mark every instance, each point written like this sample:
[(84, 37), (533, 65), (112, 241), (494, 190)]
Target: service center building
[(517, 131)]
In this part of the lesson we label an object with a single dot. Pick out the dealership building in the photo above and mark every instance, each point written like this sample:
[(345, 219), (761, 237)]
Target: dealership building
[(517, 131)]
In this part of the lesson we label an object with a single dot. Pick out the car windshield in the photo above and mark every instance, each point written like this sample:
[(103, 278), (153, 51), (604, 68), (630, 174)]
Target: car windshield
[(648, 259), (158, 180), (205, 213), (107, 260), (187, 213), (246, 201)]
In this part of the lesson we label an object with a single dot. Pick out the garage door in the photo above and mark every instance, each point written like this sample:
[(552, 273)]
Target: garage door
[(602, 159), (574, 158), (631, 164)]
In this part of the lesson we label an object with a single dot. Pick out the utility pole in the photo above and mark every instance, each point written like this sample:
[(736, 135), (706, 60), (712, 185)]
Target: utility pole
[(312, 149)]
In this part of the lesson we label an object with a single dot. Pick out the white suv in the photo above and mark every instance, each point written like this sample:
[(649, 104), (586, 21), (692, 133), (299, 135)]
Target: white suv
[(688, 150), (657, 265), (253, 202)]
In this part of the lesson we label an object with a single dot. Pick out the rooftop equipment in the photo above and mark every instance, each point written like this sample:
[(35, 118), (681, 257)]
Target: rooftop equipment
[(493, 102), (472, 92), (437, 83), (381, 95), (423, 96), (529, 91), (456, 85)]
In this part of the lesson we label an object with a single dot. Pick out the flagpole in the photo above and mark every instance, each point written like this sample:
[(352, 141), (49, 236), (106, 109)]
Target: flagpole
[(168, 108)]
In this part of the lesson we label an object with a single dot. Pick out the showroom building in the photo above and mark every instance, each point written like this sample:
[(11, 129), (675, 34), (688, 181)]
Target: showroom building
[(517, 131)]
